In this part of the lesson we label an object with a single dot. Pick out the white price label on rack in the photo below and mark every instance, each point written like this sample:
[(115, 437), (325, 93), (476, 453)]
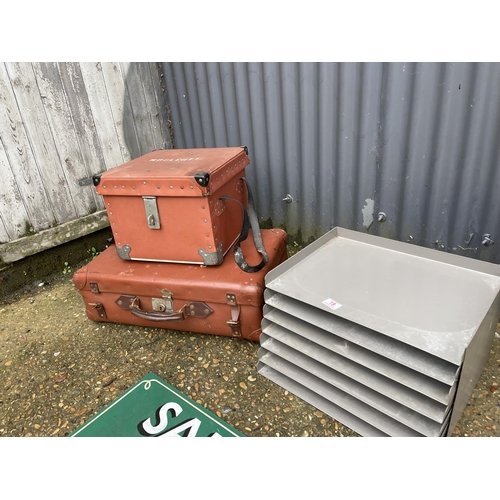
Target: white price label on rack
[(332, 304)]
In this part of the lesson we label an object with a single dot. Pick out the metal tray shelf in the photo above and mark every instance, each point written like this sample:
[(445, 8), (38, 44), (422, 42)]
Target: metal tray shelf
[(276, 339), (341, 398), (401, 353), (312, 397), (393, 334), (359, 391)]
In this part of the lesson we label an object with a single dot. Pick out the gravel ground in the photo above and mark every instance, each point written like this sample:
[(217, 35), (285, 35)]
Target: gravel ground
[(58, 368)]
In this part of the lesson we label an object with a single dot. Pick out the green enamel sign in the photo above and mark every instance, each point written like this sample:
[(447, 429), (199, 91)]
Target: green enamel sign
[(154, 408)]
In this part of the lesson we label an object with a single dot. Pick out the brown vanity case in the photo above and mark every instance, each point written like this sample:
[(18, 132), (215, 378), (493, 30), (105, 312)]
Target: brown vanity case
[(219, 300), (177, 205)]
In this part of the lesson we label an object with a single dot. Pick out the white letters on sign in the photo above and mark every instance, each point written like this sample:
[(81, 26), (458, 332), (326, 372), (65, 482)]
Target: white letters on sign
[(189, 428), (151, 429)]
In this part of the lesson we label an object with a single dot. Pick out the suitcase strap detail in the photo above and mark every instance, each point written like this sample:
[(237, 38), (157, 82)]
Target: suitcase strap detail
[(250, 219), (190, 309)]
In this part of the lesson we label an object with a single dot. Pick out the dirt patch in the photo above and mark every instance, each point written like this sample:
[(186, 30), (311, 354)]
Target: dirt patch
[(58, 368), (21, 276)]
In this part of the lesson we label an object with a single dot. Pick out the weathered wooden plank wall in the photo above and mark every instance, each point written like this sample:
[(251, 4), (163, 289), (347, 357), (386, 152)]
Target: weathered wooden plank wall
[(61, 123)]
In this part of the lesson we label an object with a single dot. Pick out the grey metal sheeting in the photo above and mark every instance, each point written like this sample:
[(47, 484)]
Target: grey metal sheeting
[(417, 141)]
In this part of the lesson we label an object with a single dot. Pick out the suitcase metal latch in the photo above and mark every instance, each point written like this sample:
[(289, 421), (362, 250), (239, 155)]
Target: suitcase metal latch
[(165, 304), (234, 322), (152, 216), (99, 308)]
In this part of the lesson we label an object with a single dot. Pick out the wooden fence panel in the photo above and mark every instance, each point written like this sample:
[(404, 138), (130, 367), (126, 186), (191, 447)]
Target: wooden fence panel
[(3, 232), (83, 121), (139, 107), (61, 123), (42, 143), (161, 103), (22, 161), (12, 210), (122, 110), (151, 103), (102, 113)]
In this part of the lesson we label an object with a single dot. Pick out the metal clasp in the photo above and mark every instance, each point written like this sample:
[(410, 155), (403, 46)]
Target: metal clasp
[(165, 304), (152, 215), (234, 322)]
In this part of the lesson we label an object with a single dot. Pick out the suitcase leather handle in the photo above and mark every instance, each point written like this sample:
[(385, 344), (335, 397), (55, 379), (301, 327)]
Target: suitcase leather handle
[(136, 310), (191, 309), (250, 219)]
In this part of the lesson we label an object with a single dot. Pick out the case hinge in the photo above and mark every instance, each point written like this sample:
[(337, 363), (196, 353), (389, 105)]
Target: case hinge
[(234, 322), (99, 308)]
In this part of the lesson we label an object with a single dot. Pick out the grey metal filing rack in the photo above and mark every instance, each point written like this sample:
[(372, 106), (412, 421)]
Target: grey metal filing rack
[(386, 337)]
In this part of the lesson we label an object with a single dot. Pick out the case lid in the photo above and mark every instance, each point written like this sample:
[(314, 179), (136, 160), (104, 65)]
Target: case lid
[(174, 172)]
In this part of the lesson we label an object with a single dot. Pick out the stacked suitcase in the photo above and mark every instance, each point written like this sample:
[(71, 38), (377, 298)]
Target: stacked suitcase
[(188, 253)]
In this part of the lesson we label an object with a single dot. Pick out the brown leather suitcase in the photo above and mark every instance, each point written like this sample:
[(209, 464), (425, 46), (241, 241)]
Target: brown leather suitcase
[(219, 300), (177, 205)]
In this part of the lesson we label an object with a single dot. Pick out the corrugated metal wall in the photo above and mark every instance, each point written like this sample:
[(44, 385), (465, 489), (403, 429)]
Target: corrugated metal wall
[(417, 141)]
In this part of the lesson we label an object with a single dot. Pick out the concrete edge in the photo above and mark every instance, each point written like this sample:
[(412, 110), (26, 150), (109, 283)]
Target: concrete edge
[(16, 250)]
